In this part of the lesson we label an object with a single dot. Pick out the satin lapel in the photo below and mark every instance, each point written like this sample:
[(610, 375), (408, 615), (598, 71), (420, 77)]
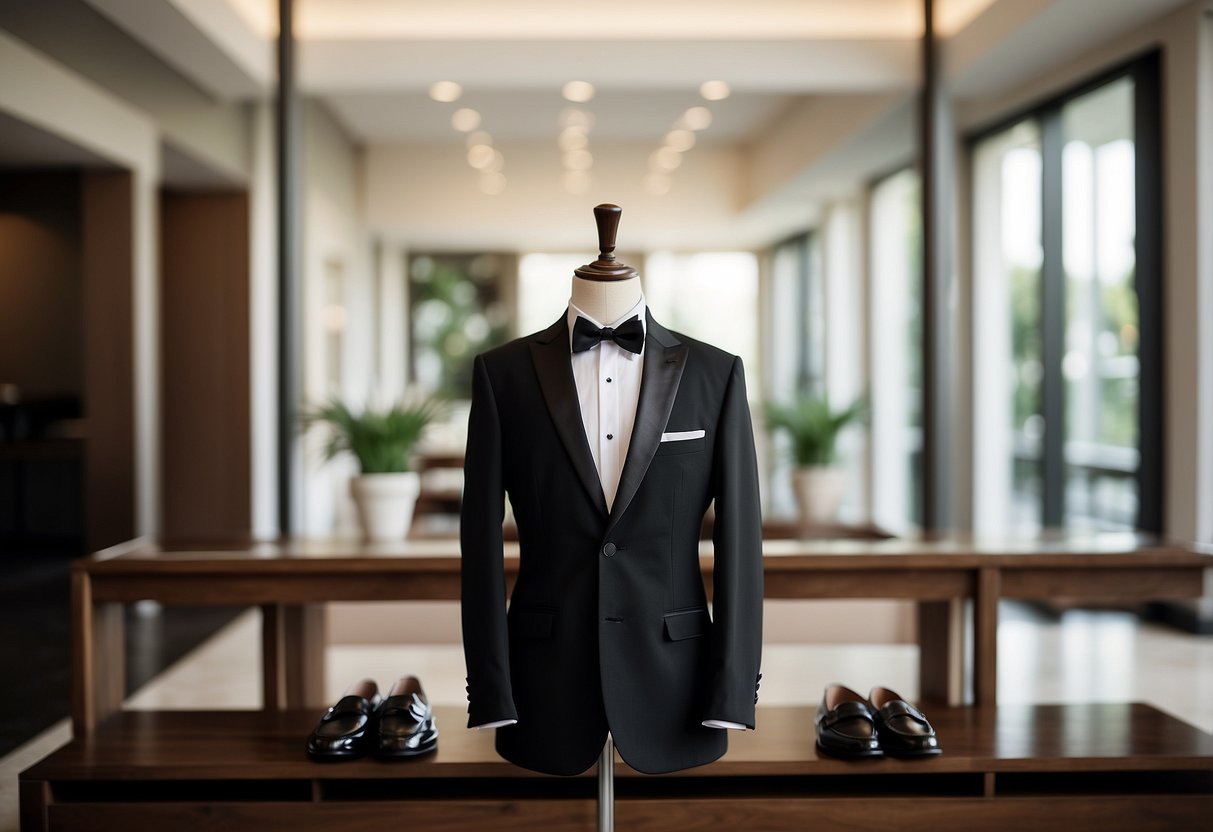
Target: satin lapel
[(550, 352), (664, 359)]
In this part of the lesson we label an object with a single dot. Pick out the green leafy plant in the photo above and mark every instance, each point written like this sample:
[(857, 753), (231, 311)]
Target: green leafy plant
[(813, 426), (382, 440)]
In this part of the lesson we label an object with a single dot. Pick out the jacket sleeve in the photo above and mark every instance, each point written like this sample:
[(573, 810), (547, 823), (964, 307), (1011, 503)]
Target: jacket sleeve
[(482, 576), (737, 575)]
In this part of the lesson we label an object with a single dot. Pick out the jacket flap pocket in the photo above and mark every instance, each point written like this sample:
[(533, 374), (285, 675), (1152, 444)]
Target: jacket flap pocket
[(532, 623), (687, 624)]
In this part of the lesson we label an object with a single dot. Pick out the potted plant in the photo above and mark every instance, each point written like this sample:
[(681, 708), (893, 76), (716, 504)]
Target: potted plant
[(818, 480), (386, 490)]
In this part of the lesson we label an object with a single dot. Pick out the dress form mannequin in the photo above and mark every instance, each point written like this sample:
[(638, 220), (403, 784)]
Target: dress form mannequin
[(614, 451), (606, 288)]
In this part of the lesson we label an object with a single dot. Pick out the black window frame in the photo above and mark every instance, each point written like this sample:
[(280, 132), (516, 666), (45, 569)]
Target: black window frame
[(1144, 70)]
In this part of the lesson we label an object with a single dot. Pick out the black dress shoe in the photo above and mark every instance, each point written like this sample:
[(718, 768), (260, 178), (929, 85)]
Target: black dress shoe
[(406, 725), (903, 729), (846, 724), (343, 730)]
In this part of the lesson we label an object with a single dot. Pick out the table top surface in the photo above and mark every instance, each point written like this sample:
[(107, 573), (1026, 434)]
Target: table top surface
[(257, 745), (956, 551)]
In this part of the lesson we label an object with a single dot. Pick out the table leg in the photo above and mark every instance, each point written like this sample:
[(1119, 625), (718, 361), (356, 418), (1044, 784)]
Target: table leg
[(985, 636), (98, 657), (304, 643), (273, 675), (941, 659), (35, 798)]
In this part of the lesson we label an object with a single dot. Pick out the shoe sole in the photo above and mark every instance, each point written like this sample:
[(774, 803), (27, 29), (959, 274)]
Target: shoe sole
[(848, 755), (412, 752)]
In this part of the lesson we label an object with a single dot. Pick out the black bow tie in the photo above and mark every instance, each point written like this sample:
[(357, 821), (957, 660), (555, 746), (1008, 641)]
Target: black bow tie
[(629, 335)]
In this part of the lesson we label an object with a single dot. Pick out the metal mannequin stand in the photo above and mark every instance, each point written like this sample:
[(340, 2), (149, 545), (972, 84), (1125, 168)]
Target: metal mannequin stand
[(606, 787)]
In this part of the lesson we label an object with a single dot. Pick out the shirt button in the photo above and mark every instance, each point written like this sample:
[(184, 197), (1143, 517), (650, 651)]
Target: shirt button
[(609, 550), (608, 381), (610, 436)]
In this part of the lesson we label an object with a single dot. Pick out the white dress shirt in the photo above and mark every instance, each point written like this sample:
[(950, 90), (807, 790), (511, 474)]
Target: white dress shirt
[(608, 387)]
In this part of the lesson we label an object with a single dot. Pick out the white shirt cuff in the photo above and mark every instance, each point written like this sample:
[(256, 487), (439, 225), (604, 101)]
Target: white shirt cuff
[(499, 723), (720, 723)]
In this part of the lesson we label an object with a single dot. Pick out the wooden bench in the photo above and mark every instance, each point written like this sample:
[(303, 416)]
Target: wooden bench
[(1094, 766), (291, 579)]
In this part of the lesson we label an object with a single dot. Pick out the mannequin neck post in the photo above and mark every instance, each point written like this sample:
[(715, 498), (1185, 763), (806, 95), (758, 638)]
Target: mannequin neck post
[(605, 300)]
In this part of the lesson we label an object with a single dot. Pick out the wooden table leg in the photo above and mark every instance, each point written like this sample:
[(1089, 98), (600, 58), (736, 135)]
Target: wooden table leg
[(273, 673), (941, 657), (98, 657), (985, 636), (35, 798), (301, 641)]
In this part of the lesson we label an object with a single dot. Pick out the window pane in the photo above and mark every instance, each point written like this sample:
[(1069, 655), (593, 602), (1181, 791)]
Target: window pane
[(544, 282), (1100, 364), (712, 296), (1007, 360), (896, 263), (456, 312)]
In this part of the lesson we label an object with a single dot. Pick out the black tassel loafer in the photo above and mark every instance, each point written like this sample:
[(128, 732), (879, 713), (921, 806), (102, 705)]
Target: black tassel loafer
[(343, 730), (903, 730), (406, 724), (846, 724)]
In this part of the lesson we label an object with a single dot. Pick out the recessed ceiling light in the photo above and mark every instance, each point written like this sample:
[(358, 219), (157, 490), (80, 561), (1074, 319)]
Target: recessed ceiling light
[(657, 184), (576, 181), (480, 156), (578, 91), (665, 158), (445, 91), (578, 160), (492, 183), (696, 118), (479, 137), (465, 119), (572, 138), (680, 140), (714, 90), (496, 163), (576, 117)]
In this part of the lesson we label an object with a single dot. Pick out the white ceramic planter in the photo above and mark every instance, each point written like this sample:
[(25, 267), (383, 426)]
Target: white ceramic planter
[(819, 492), (385, 504)]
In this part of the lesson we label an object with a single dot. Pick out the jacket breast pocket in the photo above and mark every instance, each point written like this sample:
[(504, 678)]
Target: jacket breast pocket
[(532, 623), (682, 446), (685, 624)]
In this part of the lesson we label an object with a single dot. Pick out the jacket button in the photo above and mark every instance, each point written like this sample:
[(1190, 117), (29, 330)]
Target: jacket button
[(609, 550)]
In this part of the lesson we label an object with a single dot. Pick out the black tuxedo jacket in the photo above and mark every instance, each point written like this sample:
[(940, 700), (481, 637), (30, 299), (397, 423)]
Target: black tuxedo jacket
[(608, 625)]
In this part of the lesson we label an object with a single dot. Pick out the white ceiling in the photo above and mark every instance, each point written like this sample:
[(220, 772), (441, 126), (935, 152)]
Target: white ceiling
[(793, 66), (534, 115)]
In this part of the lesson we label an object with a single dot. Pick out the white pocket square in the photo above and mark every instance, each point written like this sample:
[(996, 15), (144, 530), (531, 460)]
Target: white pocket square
[(682, 435)]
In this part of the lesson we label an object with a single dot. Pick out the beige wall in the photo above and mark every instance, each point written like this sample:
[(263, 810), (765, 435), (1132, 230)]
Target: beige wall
[(428, 193)]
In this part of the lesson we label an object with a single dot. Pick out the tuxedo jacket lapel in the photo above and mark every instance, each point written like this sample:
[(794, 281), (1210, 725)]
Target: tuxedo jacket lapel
[(550, 353), (664, 359)]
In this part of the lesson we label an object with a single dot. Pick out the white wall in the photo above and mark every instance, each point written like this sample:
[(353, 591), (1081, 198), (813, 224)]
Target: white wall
[(334, 238), (428, 193)]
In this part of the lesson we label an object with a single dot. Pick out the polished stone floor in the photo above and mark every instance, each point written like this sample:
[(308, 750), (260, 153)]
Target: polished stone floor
[(1072, 656)]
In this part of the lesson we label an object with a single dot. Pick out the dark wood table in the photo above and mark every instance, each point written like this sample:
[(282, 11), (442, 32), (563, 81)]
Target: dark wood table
[(1125, 766), (291, 579)]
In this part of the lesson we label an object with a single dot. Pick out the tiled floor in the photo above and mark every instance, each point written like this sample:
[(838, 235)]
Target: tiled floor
[(1077, 656)]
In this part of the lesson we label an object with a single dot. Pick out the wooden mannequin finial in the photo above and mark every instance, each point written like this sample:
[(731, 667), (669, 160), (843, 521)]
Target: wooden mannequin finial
[(606, 267)]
